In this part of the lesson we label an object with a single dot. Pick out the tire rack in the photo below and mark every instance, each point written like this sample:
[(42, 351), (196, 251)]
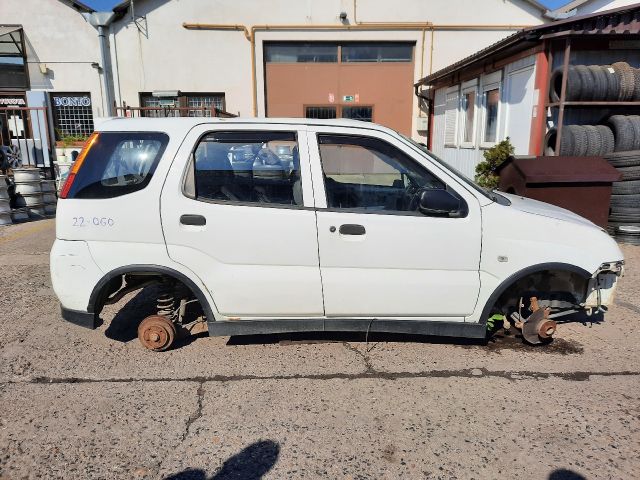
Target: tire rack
[(563, 103)]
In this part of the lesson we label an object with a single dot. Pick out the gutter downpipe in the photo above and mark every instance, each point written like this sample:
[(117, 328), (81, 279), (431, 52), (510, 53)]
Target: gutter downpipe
[(250, 32), (101, 21)]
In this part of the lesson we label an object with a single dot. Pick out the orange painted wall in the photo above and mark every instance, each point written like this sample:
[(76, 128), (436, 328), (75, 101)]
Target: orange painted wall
[(388, 87)]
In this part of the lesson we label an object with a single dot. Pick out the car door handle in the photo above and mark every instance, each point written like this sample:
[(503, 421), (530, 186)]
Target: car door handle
[(189, 219), (352, 229)]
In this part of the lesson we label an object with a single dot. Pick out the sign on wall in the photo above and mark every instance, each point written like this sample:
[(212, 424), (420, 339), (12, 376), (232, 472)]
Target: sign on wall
[(12, 102), (83, 101)]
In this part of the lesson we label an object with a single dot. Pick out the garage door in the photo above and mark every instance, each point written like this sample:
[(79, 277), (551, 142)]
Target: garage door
[(358, 80)]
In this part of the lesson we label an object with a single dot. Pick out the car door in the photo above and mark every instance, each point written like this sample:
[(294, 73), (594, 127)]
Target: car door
[(237, 210), (379, 256)]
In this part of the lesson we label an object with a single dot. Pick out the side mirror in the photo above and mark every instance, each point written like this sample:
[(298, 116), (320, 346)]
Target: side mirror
[(435, 201)]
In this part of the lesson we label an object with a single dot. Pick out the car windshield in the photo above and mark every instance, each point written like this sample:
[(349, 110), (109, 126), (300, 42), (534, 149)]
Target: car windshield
[(487, 193)]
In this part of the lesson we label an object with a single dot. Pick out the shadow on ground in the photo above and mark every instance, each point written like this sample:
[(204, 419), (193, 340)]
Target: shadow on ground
[(564, 474), (252, 463)]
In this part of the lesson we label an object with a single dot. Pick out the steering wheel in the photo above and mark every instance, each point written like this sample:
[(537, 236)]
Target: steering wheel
[(411, 196)]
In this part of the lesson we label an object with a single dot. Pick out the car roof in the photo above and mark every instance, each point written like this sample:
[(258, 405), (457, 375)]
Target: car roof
[(184, 124)]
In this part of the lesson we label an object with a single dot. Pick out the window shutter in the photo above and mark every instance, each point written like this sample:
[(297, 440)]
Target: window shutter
[(451, 118)]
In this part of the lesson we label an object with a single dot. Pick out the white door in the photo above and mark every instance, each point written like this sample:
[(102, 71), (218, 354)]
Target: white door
[(378, 255), (237, 210), (519, 94)]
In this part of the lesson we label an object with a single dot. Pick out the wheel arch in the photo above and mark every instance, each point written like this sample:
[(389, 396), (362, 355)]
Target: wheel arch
[(525, 272), (96, 299)]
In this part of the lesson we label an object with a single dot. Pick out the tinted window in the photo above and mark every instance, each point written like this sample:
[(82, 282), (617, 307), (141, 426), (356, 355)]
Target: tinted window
[(118, 163), (364, 114), (301, 52), (377, 52), (367, 173), (253, 167)]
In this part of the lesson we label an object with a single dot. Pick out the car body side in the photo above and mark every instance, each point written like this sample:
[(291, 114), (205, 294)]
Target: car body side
[(508, 240)]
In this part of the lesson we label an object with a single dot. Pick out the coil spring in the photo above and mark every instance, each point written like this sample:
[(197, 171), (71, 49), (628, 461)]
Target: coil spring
[(165, 303)]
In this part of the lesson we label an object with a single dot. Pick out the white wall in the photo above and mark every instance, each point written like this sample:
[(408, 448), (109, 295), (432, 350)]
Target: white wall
[(58, 36), (517, 98), (601, 5), (162, 55)]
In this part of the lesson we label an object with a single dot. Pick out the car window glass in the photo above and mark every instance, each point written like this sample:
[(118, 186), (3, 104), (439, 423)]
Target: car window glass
[(368, 173), (249, 167), (118, 163)]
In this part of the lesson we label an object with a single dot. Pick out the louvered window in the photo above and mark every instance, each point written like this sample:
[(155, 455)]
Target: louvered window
[(451, 119)]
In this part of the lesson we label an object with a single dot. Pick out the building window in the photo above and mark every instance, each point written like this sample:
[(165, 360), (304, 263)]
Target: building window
[(358, 113), (182, 105), (491, 106), (322, 113), (301, 52), (348, 52), (451, 118), (377, 52), (13, 71), (201, 105), (468, 117), (72, 114)]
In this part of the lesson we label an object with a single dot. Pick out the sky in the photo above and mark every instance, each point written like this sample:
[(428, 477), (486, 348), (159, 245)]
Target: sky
[(102, 5)]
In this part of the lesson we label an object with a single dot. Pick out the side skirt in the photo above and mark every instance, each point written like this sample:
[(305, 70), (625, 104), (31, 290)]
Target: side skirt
[(415, 327)]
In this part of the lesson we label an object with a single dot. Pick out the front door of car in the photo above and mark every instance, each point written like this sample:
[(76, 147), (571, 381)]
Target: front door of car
[(379, 255), (237, 211)]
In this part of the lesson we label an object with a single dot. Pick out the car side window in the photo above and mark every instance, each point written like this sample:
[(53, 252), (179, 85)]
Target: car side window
[(260, 167), (371, 174)]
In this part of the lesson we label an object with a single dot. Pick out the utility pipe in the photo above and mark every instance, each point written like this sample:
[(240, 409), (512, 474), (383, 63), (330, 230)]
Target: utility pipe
[(250, 34), (101, 21)]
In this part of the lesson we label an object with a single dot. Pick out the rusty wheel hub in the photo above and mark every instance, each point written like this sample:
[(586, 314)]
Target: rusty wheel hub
[(538, 328), (156, 333)]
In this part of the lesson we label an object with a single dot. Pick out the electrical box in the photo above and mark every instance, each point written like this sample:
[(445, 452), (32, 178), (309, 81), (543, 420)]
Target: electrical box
[(422, 123)]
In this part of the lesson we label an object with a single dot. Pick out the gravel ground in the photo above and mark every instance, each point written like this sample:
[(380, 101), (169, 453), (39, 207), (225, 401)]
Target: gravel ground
[(93, 404)]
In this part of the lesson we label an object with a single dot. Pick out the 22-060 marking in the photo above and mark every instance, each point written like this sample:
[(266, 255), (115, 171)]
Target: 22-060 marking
[(93, 222)]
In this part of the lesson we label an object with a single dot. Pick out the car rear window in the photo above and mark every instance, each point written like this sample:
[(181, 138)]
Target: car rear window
[(118, 163)]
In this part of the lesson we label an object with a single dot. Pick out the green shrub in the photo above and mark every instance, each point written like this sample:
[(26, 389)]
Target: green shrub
[(485, 171)]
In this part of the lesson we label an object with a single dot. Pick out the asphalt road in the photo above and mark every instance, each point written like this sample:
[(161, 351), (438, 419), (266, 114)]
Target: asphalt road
[(84, 404)]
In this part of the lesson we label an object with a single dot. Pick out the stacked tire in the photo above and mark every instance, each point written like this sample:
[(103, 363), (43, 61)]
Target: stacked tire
[(581, 141), (624, 217), (5, 208), (49, 197), (28, 192), (616, 82)]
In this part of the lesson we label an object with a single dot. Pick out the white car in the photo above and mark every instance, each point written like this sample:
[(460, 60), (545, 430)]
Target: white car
[(282, 225)]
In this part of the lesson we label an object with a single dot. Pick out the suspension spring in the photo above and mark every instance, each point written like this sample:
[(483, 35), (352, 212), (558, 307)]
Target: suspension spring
[(165, 303)]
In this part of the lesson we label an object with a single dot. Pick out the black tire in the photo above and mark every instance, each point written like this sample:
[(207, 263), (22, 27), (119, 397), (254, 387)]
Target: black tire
[(574, 85), (624, 159), (634, 120), (627, 80), (599, 82), (636, 89), (594, 141), (566, 145), (608, 140), (580, 139), (626, 211), (622, 132), (630, 173), (625, 201), (625, 217), (613, 82), (587, 82), (626, 188)]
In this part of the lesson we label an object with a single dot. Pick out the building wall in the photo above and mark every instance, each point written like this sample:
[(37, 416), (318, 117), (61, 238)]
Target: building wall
[(159, 54), (518, 99), (57, 36), (594, 6)]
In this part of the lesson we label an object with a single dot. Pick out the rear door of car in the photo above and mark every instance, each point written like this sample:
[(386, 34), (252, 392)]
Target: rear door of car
[(237, 209)]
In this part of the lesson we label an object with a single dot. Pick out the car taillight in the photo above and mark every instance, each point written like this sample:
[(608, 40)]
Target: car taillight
[(78, 163)]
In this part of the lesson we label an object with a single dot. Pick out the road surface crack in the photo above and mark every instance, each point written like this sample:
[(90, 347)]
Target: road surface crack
[(364, 355), (479, 373)]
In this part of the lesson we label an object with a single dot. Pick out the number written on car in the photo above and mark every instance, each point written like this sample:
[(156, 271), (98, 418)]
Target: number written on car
[(93, 222)]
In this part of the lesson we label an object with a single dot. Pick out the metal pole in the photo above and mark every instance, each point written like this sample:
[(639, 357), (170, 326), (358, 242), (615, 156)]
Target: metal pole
[(106, 71)]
